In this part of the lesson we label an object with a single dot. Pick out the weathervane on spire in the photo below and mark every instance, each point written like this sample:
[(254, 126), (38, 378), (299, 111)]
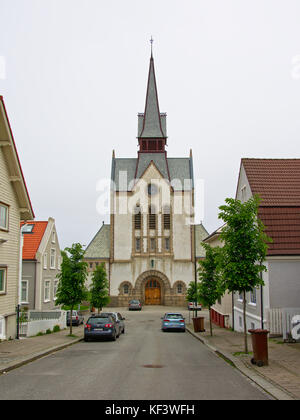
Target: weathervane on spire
[(151, 42)]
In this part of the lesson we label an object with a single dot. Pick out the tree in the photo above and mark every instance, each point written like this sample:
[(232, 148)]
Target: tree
[(245, 248), (210, 286), (99, 292), (71, 289)]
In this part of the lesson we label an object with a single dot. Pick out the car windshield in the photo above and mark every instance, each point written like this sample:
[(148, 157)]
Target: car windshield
[(99, 320), (174, 316), (110, 314), (134, 301)]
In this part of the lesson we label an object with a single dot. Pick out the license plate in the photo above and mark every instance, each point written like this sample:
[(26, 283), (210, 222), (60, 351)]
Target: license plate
[(98, 329)]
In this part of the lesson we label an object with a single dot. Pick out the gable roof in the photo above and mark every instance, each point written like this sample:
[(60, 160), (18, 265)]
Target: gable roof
[(10, 153), (277, 181), (99, 247), (32, 240)]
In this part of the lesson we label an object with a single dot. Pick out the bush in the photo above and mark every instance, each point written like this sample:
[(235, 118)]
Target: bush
[(56, 328), (48, 331)]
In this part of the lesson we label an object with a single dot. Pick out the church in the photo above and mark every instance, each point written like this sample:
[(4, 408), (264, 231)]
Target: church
[(151, 246)]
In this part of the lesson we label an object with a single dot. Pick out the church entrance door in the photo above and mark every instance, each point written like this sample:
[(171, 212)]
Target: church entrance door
[(152, 292)]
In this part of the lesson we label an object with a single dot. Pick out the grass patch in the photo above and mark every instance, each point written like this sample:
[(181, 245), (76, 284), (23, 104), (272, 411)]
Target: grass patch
[(242, 353)]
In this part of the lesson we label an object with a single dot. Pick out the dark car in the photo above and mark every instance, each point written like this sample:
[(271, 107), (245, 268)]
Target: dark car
[(77, 319), (135, 305), (173, 321), (119, 321), (99, 326)]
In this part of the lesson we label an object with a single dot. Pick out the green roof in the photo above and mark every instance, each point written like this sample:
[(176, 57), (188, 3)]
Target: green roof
[(99, 247)]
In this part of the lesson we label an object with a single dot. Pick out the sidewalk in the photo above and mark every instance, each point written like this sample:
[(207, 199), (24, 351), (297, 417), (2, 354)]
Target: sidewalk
[(281, 378), (15, 353)]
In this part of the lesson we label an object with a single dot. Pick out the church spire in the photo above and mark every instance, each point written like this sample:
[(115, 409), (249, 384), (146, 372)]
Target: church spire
[(151, 126)]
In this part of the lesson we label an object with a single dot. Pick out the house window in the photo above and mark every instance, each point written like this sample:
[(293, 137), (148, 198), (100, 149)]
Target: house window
[(47, 291), (253, 296), (138, 244), (53, 237), (24, 291), (152, 263), (241, 297), (3, 216), (252, 326), (45, 260), (91, 265), (126, 289), (52, 258), (152, 245), (27, 228), (2, 280), (55, 285), (244, 194)]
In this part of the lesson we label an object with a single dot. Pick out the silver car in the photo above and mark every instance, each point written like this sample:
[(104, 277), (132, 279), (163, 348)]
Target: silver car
[(77, 318), (135, 305)]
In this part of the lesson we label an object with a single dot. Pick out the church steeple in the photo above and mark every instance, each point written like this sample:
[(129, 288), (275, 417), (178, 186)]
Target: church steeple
[(152, 124)]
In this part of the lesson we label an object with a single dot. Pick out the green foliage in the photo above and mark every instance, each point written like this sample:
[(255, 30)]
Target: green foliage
[(210, 285), (48, 331), (71, 289), (191, 295), (56, 328), (245, 245), (99, 292)]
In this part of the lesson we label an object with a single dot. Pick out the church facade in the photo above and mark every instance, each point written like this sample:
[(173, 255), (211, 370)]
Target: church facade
[(151, 245)]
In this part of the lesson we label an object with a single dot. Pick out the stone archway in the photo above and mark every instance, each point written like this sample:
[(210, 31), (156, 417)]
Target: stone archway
[(164, 286)]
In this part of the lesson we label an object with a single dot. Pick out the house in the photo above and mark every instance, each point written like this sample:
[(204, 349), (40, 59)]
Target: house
[(277, 181), (149, 245), (221, 311), (41, 264), (15, 206)]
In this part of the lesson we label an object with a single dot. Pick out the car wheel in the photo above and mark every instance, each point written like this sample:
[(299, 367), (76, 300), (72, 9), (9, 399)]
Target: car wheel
[(114, 337), (123, 332)]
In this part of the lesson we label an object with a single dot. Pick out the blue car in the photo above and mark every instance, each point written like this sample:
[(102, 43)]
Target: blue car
[(173, 321), (100, 327)]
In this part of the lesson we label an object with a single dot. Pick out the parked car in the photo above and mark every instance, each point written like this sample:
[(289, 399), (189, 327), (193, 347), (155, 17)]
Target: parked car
[(99, 326), (119, 321), (135, 305), (173, 321), (192, 306), (77, 319)]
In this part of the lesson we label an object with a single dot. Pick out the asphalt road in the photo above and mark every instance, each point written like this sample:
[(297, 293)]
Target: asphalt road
[(143, 364)]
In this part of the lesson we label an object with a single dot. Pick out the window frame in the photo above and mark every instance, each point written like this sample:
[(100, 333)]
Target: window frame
[(24, 301), (6, 227), (46, 300), (53, 267), (55, 286), (4, 269)]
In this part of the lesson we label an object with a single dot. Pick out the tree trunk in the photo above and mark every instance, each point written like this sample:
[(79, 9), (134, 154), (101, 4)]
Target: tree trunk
[(245, 323), (210, 322)]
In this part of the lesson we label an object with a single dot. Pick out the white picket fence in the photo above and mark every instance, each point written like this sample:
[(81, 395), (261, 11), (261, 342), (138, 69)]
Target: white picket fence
[(280, 321), (38, 321)]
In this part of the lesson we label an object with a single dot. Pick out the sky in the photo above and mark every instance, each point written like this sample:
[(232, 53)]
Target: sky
[(73, 75)]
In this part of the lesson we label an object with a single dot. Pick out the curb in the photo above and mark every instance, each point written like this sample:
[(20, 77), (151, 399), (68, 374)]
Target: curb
[(261, 381), (32, 358)]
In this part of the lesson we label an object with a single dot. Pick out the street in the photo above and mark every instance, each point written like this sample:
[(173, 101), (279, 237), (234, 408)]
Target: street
[(143, 364)]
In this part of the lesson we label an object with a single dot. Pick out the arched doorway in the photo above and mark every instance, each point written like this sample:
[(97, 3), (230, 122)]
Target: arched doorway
[(152, 292)]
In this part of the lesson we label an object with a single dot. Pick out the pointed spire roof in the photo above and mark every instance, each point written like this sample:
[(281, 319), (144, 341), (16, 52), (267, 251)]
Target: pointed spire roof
[(152, 126)]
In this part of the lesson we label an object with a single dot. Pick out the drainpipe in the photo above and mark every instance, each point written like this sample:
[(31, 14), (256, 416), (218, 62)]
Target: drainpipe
[(262, 303)]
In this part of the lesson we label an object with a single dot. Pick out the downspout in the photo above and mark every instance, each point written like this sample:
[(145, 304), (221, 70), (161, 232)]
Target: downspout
[(262, 303)]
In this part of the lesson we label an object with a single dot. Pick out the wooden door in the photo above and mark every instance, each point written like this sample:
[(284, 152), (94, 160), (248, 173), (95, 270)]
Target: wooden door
[(152, 292)]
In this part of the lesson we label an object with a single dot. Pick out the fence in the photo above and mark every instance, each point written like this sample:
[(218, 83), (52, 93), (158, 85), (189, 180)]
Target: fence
[(33, 322), (280, 322)]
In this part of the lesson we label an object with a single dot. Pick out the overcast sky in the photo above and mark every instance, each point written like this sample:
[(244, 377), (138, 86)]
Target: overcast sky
[(73, 75)]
